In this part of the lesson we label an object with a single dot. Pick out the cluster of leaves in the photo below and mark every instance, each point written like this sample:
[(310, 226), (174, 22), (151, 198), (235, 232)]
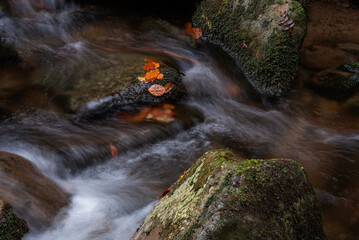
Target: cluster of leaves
[(152, 74)]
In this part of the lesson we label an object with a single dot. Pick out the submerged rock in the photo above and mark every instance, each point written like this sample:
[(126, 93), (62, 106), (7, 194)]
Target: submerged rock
[(264, 36), (34, 197), (339, 83), (224, 197), (11, 226)]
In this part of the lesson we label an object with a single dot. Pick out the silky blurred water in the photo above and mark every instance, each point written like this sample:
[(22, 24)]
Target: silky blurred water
[(111, 196)]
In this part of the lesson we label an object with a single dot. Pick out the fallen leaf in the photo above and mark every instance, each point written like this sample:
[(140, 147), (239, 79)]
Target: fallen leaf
[(157, 90), (244, 44), (168, 106), (182, 176), (149, 60), (142, 79), (152, 75), (163, 194), (151, 65), (188, 28), (160, 76), (168, 87), (114, 151), (197, 33)]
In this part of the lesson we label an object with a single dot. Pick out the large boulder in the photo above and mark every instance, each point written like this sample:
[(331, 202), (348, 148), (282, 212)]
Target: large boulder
[(11, 226), (35, 198), (224, 197), (116, 84), (264, 36)]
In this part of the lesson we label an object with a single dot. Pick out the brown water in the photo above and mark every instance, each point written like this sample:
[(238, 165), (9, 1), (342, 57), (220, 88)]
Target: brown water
[(111, 196)]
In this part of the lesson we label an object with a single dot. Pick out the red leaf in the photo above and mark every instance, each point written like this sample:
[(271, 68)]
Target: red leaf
[(163, 194), (114, 151)]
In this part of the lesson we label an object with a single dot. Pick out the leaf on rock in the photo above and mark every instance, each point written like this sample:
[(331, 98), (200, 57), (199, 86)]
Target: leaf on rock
[(151, 65), (168, 87), (160, 76), (142, 79), (163, 194), (149, 60), (196, 33), (152, 75), (157, 90)]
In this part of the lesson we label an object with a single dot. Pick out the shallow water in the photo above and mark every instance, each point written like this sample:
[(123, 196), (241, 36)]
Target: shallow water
[(110, 196)]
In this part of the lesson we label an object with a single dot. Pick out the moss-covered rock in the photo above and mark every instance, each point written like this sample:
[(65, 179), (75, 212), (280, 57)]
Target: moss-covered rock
[(34, 197), (224, 197), (11, 226), (271, 59)]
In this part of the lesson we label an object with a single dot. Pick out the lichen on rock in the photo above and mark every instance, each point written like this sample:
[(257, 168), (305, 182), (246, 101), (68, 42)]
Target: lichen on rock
[(11, 226), (271, 58), (225, 197)]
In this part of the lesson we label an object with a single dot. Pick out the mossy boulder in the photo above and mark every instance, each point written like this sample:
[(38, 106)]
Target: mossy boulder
[(34, 197), (118, 84), (225, 197), (11, 226), (339, 83), (271, 58)]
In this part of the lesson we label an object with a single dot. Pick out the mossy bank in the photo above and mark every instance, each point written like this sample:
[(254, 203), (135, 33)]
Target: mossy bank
[(225, 197), (252, 32)]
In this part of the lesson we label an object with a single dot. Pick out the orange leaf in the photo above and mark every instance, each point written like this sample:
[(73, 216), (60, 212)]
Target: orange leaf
[(160, 76), (188, 28), (168, 106), (168, 87), (149, 60), (114, 151), (152, 75), (149, 66), (197, 33), (163, 194), (157, 90)]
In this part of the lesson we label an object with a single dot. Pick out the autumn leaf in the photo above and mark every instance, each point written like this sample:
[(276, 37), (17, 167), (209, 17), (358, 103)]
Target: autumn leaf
[(160, 76), (157, 90), (168, 87), (151, 65), (182, 176), (114, 151), (142, 79), (163, 194), (150, 60), (196, 33), (168, 106), (152, 75)]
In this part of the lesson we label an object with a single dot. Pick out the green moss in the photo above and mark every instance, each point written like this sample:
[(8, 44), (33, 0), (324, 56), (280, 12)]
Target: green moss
[(269, 62), (11, 227)]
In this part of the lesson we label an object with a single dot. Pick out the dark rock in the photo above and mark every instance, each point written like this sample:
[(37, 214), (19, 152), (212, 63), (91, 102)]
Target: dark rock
[(271, 59), (35, 198), (11, 226), (224, 197), (339, 83), (118, 85)]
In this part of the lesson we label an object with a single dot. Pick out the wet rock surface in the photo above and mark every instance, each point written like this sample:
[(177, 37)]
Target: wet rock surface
[(11, 226), (118, 85), (35, 198), (331, 43), (225, 197), (264, 36)]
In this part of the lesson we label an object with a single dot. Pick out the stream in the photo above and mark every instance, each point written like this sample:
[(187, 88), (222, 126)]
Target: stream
[(110, 196)]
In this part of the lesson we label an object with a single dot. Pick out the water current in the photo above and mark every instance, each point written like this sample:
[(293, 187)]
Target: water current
[(109, 197)]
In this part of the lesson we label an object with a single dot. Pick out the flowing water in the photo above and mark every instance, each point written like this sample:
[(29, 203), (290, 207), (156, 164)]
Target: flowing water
[(109, 197)]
